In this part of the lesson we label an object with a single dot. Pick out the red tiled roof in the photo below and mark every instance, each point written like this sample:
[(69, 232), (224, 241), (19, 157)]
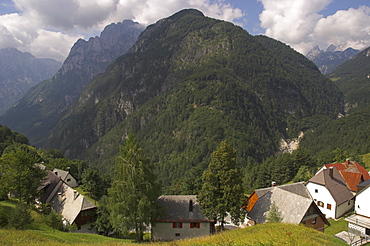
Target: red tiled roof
[(352, 172), (352, 179)]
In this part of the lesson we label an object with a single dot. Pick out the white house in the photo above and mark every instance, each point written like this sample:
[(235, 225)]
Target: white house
[(352, 173), (359, 223), (330, 192), (182, 218)]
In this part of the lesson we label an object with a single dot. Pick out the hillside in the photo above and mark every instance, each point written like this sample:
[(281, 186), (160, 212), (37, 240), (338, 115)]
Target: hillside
[(37, 112), (352, 78), (19, 71), (188, 83)]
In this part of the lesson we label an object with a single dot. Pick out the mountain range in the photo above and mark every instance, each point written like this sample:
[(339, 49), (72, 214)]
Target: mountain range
[(187, 83), (331, 58), (37, 112), (19, 71)]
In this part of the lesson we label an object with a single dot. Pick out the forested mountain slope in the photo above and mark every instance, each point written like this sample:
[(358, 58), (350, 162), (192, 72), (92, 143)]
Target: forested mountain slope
[(188, 83), (19, 71), (37, 112), (353, 79), (350, 133)]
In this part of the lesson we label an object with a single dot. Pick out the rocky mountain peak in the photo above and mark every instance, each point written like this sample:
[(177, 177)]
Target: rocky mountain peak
[(115, 40)]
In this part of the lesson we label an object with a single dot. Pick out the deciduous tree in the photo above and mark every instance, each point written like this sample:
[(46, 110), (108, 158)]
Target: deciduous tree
[(222, 190), (20, 176), (134, 192)]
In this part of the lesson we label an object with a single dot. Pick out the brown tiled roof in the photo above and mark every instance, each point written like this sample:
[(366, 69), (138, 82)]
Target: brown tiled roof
[(352, 179), (335, 184), (352, 172)]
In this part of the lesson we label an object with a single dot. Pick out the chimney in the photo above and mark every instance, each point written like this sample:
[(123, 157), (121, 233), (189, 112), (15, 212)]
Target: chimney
[(348, 162), (273, 184), (191, 205), (331, 172)]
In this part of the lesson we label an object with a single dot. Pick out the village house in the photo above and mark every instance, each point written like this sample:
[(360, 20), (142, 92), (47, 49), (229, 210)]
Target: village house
[(359, 222), (352, 173), (74, 207), (293, 201), (330, 192), (182, 218)]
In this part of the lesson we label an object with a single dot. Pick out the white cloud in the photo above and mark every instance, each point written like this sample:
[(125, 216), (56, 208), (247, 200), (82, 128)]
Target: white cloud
[(350, 28), (299, 24), (48, 28)]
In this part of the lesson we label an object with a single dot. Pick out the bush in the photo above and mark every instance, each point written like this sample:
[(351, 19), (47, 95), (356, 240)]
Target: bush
[(20, 216), (54, 220), (3, 217)]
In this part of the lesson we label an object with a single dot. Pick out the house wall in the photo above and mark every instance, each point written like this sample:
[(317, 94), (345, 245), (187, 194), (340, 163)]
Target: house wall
[(362, 203), (324, 196), (343, 208), (251, 201), (316, 223), (163, 231), (71, 181)]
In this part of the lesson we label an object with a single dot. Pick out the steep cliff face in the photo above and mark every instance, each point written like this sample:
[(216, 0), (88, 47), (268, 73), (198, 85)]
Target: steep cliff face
[(188, 83), (38, 111), (20, 71), (328, 60)]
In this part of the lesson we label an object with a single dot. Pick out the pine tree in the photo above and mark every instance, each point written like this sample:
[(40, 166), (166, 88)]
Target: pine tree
[(222, 190), (274, 216), (134, 192)]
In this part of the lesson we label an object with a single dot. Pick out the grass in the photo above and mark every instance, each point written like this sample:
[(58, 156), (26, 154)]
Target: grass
[(40, 234), (336, 226)]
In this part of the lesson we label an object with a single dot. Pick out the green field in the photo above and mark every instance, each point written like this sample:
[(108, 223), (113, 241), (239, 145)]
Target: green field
[(40, 234)]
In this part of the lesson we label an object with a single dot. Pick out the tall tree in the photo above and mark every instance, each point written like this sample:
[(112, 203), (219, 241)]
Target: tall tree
[(134, 192), (222, 189), (19, 174)]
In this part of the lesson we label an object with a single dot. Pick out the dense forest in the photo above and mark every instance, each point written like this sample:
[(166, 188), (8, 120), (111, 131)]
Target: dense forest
[(191, 82)]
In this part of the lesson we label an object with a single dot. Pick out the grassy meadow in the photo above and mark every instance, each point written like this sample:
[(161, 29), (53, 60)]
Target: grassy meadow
[(38, 233)]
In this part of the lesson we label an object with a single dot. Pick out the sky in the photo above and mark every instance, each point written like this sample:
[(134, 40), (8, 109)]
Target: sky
[(49, 28)]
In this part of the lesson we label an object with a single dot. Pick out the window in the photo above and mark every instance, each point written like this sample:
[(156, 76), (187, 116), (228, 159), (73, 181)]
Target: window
[(68, 180), (194, 225), (316, 191), (177, 234), (320, 204), (314, 220), (328, 206), (176, 225)]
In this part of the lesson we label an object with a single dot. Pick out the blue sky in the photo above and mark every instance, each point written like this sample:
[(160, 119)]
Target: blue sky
[(49, 28)]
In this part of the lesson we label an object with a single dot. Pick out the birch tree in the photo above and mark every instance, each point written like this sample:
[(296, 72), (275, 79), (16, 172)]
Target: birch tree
[(222, 189), (134, 192)]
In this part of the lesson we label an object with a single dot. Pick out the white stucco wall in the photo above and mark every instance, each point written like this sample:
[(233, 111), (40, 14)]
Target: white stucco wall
[(165, 232), (344, 207), (324, 196), (362, 203)]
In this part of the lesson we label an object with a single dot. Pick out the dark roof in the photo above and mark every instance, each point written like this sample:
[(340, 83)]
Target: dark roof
[(365, 183), (177, 208), (334, 183), (292, 200), (48, 185)]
